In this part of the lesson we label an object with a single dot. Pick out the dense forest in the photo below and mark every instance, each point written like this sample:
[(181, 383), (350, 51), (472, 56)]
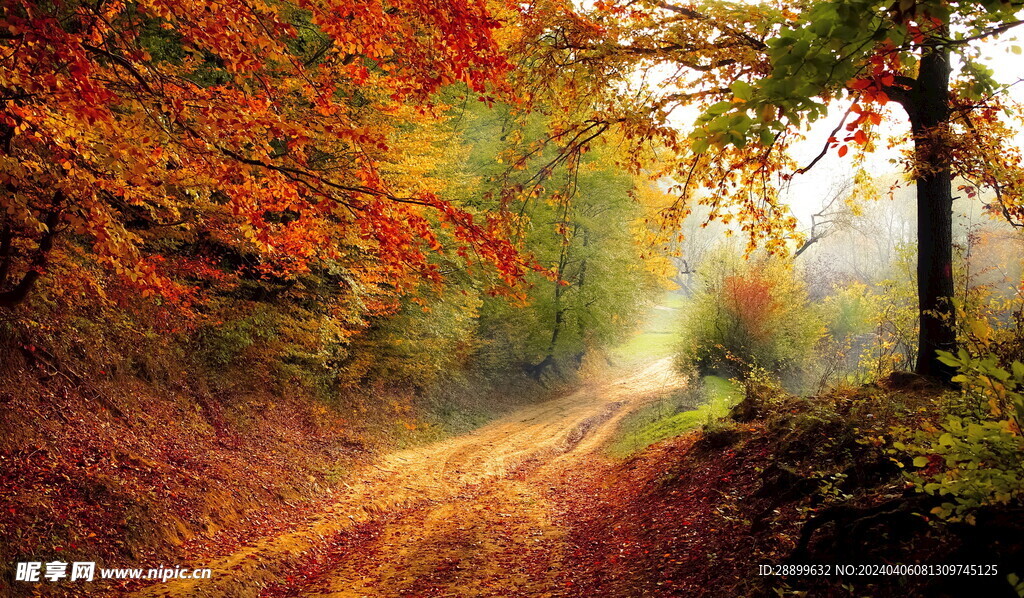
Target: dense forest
[(480, 298)]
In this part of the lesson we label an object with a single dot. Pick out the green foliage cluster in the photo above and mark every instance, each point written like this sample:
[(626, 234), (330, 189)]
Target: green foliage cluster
[(847, 312), (828, 46), (575, 222), (892, 312), (976, 457), (749, 313)]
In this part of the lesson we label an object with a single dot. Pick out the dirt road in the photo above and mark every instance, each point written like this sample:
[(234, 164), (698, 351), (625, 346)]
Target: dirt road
[(469, 516)]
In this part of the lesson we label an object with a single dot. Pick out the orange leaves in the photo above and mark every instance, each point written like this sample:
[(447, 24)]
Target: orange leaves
[(751, 299), (884, 68), (859, 84), (860, 127), (276, 132)]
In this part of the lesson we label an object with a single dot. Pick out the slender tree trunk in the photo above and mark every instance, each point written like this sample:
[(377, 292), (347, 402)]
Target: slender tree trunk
[(930, 122), (581, 282), (556, 330)]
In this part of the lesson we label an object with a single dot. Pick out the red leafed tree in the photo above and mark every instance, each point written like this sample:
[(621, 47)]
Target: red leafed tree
[(267, 128)]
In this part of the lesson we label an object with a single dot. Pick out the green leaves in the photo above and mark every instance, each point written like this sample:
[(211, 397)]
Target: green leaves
[(980, 80), (980, 446), (742, 90), (719, 108), (836, 41), (809, 61)]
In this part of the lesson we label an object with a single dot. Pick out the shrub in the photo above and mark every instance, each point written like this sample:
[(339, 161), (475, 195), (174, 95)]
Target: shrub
[(893, 312), (976, 456), (747, 314)]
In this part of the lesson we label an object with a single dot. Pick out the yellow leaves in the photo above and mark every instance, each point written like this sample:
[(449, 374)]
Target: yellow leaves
[(981, 329), (237, 141)]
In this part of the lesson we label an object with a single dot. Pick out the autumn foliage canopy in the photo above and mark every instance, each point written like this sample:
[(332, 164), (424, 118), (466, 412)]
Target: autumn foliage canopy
[(155, 139)]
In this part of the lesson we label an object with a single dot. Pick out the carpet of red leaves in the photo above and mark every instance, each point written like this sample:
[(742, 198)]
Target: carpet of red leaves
[(142, 480), (670, 522)]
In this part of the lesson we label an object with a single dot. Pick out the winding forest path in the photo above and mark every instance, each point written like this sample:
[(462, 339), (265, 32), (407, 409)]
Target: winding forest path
[(469, 516)]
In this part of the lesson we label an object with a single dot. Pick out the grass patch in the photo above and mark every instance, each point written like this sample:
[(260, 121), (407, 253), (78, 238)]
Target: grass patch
[(658, 336), (676, 414)]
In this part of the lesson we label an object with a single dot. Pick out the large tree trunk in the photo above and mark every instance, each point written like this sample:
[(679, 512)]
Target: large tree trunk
[(935, 273), (929, 119)]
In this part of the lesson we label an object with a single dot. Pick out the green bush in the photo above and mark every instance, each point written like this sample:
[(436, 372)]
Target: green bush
[(749, 313), (976, 456)]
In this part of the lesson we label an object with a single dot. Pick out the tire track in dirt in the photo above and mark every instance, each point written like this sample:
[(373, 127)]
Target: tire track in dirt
[(468, 516)]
